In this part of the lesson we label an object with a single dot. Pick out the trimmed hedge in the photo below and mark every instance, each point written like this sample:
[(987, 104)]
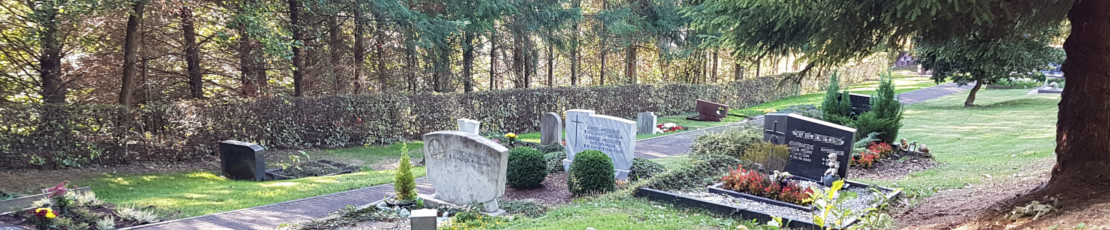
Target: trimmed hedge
[(76, 135), (527, 169), (592, 171)]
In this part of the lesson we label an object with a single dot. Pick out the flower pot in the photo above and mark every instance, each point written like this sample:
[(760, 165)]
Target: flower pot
[(392, 202)]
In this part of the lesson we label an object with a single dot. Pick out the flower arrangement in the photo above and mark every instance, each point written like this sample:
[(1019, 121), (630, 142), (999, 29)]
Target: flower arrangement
[(669, 127), (770, 110), (882, 149), (778, 187), (511, 136), (866, 159), (43, 217)]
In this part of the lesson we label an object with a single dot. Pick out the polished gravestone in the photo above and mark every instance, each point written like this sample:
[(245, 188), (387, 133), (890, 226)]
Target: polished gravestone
[(709, 111), (242, 161), (616, 137), (815, 145), (645, 123), (466, 168), (860, 103)]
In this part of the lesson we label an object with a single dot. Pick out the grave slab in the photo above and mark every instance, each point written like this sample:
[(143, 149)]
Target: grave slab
[(242, 161), (616, 137), (551, 129), (468, 125), (466, 168), (811, 143)]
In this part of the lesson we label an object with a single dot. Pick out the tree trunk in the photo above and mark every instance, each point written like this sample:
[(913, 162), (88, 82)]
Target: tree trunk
[(192, 53), (298, 47), (468, 61), (360, 50), (715, 62), (550, 66), (334, 45), (130, 53), (1083, 125), (630, 63), (758, 66), (574, 49), (493, 58), (50, 61), (602, 50), (737, 72), (971, 96)]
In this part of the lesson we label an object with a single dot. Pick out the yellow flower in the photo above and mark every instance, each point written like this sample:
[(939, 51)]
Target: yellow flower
[(50, 215), (49, 212), (510, 135), (770, 110)]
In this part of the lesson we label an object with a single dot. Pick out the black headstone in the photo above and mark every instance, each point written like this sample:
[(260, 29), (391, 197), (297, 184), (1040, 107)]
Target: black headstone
[(242, 161), (811, 141), (860, 103)]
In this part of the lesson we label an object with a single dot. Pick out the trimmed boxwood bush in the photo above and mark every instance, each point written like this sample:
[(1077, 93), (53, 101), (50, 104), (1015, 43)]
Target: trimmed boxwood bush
[(527, 169), (592, 171), (555, 161), (643, 169)]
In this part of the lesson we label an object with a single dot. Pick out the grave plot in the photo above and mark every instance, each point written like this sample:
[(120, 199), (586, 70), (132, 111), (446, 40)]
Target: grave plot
[(244, 161), (818, 162)]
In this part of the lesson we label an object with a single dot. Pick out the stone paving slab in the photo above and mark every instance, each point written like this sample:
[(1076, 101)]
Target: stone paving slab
[(296, 211)]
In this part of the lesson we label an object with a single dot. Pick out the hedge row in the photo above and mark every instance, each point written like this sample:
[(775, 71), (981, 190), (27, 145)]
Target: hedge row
[(75, 135)]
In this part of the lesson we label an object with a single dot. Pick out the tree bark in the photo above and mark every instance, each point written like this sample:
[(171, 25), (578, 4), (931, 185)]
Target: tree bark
[(298, 47), (737, 72), (468, 61), (50, 60), (630, 63), (192, 53), (1083, 126), (550, 66), (574, 49), (334, 45), (360, 49), (130, 52), (971, 96), (493, 58), (715, 62), (602, 51)]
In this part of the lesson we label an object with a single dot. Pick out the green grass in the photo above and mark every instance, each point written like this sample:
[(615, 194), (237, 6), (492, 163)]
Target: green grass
[(1008, 132), (373, 154), (181, 195), (614, 212)]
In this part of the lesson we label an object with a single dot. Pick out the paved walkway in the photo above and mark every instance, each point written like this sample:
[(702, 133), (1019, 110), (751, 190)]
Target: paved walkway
[(941, 90), (302, 210)]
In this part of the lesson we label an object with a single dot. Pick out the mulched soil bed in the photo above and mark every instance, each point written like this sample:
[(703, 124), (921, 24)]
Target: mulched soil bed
[(894, 168), (552, 192), (103, 210)]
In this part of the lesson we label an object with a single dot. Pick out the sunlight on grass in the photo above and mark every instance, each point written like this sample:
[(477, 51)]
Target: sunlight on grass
[(374, 154), (200, 193), (1006, 134), (625, 213)]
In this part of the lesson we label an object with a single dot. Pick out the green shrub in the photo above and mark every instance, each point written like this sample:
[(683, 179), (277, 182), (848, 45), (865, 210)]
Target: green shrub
[(837, 106), (643, 169), (770, 156), (870, 123), (527, 168), (550, 148), (702, 171), (592, 171), (731, 142), (555, 161), (887, 109), (404, 184)]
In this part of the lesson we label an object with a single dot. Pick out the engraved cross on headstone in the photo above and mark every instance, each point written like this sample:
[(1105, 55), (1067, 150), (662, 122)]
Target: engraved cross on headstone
[(578, 138), (773, 132)]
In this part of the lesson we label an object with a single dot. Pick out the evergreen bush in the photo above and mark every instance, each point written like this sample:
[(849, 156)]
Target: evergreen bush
[(643, 169), (404, 184), (770, 156), (703, 170), (555, 161), (592, 171), (886, 107), (527, 168), (837, 106), (731, 142)]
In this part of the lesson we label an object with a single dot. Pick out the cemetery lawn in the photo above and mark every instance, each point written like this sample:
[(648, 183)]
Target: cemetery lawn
[(181, 195), (1006, 135), (619, 211)]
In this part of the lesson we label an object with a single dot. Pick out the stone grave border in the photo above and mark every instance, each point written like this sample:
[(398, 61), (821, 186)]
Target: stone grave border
[(745, 214)]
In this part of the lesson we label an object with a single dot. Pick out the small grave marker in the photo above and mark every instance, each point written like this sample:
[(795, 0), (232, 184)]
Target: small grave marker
[(811, 143), (242, 161), (551, 129), (468, 125), (645, 123)]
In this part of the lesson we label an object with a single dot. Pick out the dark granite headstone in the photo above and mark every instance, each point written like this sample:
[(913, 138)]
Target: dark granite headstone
[(710, 111), (242, 161), (860, 103), (811, 141)]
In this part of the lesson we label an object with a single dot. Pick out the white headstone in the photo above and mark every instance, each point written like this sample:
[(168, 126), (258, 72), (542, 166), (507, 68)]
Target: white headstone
[(551, 129), (468, 125), (616, 137), (645, 123), (466, 168)]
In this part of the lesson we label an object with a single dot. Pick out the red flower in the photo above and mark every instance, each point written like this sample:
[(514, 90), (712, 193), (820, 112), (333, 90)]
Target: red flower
[(359, 120)]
